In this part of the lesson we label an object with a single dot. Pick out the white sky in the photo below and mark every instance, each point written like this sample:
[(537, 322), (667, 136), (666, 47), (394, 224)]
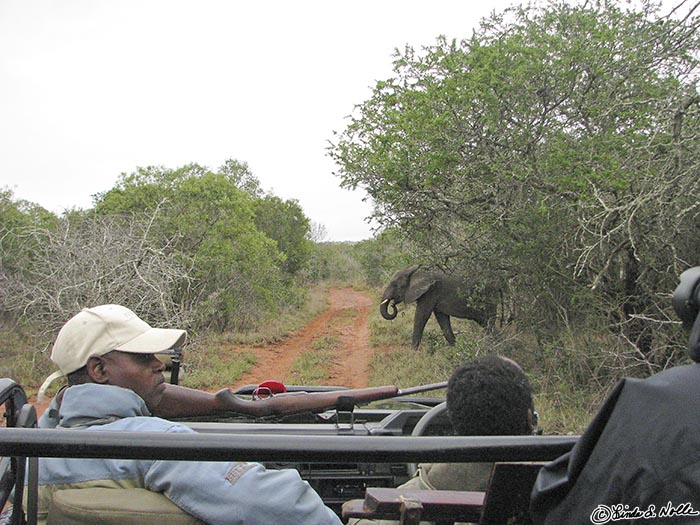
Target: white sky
[(90, 89)]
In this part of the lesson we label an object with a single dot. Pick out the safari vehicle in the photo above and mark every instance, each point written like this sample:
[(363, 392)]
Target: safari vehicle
[(353, 446), (345, 451)]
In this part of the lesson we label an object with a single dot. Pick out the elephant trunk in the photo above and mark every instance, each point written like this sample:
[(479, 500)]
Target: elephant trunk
[(384, 307)]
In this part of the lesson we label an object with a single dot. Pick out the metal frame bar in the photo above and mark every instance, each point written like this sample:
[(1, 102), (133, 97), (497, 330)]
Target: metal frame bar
[(243, 447)]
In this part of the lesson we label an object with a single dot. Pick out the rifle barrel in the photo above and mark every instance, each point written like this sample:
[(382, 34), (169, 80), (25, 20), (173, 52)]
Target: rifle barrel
[(422, 388)]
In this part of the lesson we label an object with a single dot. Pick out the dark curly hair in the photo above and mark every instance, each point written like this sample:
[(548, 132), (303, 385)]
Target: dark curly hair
[(490, 396)]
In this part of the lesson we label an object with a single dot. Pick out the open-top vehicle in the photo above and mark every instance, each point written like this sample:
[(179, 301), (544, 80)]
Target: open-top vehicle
[(341, 441), (352, 446)]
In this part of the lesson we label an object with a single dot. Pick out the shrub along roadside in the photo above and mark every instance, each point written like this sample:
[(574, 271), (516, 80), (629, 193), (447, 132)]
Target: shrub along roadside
[(565, 401), (570, 376), (209, 361)]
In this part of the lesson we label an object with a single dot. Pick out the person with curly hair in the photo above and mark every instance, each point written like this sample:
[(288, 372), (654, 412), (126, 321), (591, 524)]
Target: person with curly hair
[(490, 396)]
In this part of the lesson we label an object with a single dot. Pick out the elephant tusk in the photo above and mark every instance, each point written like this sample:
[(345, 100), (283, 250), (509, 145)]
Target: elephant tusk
[(385, 301)]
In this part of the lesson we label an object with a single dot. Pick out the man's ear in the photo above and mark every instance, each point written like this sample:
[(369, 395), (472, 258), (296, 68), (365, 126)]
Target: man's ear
[(96, 371)]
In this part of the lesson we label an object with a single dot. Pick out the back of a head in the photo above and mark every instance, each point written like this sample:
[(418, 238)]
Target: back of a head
[(490, 396)]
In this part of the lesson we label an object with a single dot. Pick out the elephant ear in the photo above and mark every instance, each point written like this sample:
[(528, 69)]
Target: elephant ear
[(420, 283)]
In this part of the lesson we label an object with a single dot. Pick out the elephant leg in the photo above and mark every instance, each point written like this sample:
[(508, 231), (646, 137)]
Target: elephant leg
[(444, 322), (421, 317)]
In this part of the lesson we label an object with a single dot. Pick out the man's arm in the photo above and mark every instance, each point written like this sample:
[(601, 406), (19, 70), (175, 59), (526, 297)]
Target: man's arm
[(180, 401)]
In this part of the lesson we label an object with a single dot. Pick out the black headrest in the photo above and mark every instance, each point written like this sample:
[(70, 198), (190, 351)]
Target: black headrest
[(686, 297)]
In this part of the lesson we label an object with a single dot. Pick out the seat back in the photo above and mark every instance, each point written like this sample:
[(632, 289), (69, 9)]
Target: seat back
[(107, 506), (507, 499), (411, 506), (505, 502)]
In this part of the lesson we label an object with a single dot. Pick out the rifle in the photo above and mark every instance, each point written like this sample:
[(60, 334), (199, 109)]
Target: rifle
[(295, 402)]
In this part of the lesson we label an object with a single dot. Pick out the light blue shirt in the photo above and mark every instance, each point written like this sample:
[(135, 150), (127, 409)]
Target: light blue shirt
[(215, 492)]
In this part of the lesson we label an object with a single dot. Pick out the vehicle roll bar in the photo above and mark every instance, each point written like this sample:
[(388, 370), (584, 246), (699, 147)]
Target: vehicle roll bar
[(236, 447)]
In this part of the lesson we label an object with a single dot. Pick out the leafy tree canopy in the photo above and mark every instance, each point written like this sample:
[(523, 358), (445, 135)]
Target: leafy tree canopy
[(18, 219), (555, 150), (285, 223), (239, 242), (189, 246)]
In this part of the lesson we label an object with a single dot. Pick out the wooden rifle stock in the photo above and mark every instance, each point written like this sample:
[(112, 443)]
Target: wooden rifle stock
[(180, 401), (295, 402)]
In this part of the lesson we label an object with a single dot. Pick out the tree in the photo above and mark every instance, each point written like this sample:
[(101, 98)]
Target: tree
[(82, 260), (383, 255), (317, 232), (235, 268), (18, 219), (187, 247), (555, 151), (240, 175), (285, 223)]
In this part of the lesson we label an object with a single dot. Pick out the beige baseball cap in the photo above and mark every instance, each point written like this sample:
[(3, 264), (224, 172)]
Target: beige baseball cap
[(96, 331)]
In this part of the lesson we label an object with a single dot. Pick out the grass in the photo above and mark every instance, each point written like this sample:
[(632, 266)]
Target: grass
[(570, 378), (570, 375), (224, 372), (24, 359), (209, 357), (313, 367), (289, 320)]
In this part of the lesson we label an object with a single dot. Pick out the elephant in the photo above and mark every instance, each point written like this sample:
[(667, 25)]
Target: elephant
[(438, 293)]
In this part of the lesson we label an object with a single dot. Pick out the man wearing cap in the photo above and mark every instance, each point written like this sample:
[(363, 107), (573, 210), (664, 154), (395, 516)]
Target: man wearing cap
[(115, 382)]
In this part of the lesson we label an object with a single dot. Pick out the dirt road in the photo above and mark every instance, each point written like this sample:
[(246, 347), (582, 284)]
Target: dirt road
[(346, 321)]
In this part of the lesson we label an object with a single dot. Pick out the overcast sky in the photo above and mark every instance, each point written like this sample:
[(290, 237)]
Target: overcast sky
[(90, 89)]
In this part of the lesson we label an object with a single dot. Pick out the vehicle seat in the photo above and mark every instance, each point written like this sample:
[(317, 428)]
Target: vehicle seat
[(115, 507)]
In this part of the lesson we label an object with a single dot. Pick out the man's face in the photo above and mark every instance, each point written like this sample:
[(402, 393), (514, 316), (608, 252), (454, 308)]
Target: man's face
[(142, 373)]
